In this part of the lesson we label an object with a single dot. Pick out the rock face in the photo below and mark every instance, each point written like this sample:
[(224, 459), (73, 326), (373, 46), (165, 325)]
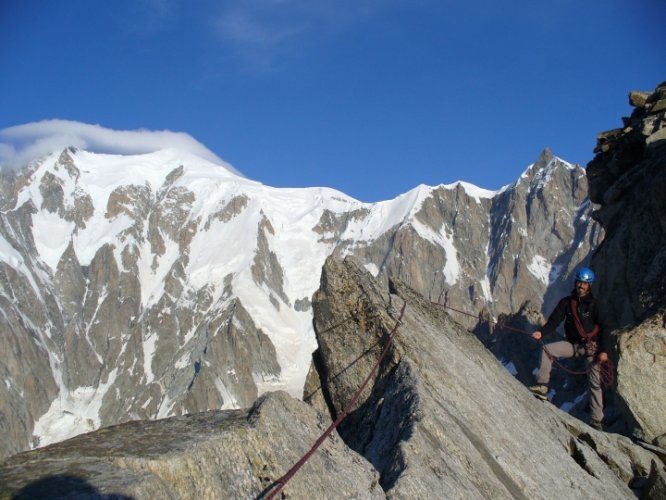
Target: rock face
[(442, 416), (217, 454), (100, 323), (627, 178), (148, 286)]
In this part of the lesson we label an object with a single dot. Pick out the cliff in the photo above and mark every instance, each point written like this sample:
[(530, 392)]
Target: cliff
[(627, 178)]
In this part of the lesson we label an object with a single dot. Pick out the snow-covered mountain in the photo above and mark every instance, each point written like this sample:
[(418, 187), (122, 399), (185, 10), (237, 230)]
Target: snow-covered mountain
[(159, 284)]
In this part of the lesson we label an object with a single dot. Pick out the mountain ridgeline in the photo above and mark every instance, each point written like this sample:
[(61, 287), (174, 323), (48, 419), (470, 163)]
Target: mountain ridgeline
[(147, 286)]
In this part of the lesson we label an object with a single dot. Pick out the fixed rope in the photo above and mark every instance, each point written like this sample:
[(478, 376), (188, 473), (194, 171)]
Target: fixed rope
[(606, 369), (282, 482)]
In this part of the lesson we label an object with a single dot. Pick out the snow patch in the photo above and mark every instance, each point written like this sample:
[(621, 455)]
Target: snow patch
[(485, 289), (444, 239), (372, 269), (72, 413), (267, 383), (184, 361), (149, 348), (540, 269), (10, 256), (52, 235), (472, 191), (230, 402)]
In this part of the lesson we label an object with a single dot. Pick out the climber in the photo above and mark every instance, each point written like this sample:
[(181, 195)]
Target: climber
[(585, 336)]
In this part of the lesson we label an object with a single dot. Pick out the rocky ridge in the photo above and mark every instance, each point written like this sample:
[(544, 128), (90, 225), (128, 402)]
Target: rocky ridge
[(442, 414), (440, 417)]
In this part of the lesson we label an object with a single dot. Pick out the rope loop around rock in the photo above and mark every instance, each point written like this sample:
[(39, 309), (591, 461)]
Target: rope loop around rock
[(275, 488)]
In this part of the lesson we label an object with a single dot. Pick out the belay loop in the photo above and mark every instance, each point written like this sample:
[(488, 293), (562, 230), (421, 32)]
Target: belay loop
[(607, 368)]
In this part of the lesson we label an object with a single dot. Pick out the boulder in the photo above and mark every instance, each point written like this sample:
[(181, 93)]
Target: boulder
[(215, 454), (642, 377)]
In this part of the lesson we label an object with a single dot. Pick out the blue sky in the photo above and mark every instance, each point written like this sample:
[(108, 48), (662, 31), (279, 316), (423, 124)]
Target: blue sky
[(371, 97)]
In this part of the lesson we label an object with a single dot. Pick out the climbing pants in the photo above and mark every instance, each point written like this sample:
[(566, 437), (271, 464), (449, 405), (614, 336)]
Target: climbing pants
[(564, 349)]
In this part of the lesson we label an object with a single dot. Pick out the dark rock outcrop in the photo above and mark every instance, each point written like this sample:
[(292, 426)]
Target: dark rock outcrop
[(627, 178)]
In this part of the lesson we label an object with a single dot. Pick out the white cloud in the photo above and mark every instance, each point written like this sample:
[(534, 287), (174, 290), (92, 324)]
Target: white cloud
[(263, 30), (247, 27), (22, 144)]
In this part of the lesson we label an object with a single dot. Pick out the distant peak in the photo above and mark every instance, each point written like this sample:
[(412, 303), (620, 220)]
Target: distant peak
[(546, 154)]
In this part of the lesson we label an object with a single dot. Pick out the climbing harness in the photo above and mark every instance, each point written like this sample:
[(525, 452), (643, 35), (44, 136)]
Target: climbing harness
[(589, 338)]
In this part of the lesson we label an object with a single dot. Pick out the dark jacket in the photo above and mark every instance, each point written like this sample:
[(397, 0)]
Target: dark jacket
[(588, 312)]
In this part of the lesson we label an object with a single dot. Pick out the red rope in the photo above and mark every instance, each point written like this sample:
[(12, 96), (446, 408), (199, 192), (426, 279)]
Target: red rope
[(606, 369), (281, 483), (607, 373)]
